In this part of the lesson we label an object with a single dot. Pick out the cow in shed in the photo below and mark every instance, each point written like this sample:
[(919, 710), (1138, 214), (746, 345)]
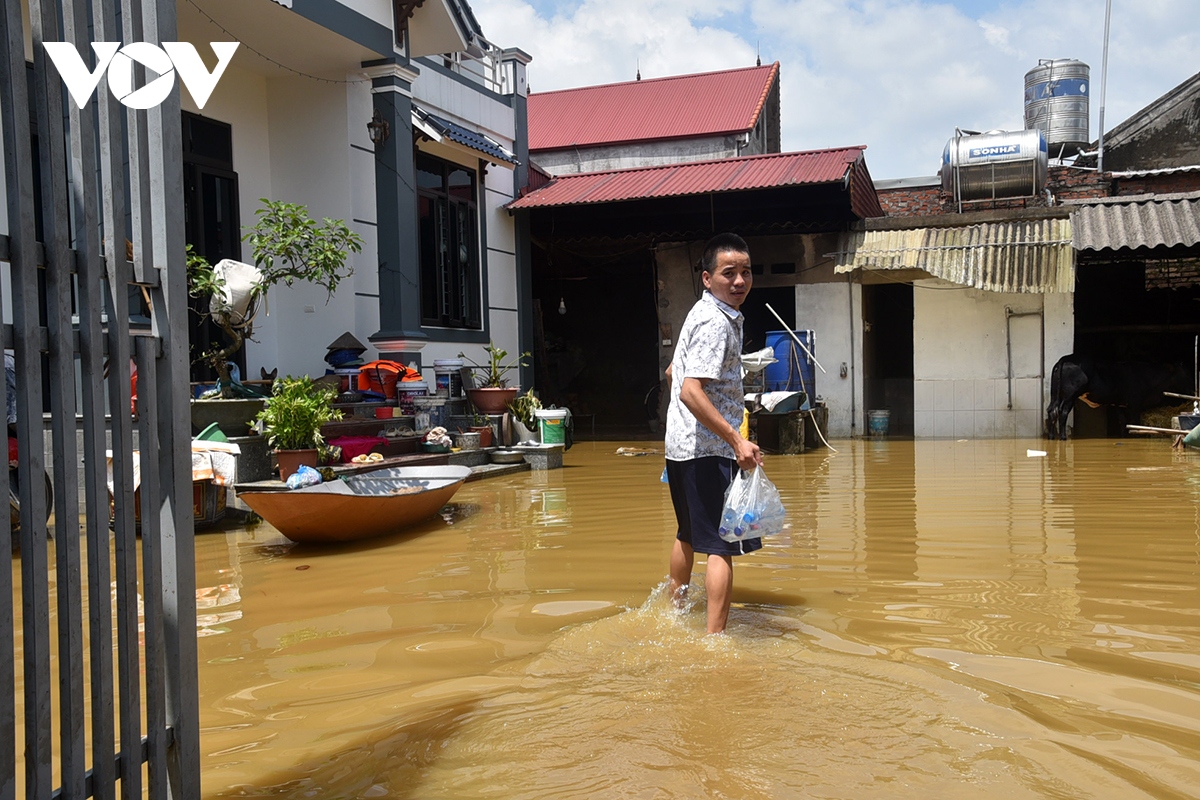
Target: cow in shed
[(1132, 384)]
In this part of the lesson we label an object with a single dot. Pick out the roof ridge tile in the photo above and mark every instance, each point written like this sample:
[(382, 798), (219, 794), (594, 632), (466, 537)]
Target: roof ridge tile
[(662, 79)]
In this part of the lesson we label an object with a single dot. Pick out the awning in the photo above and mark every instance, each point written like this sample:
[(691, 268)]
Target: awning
[(443, 130), (1018, 256), (1114, 223)]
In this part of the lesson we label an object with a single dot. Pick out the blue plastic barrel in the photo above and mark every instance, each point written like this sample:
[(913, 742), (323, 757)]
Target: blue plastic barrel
[(793, 370)]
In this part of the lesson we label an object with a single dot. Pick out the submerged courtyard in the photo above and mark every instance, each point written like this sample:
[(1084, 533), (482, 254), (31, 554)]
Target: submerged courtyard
[(941, 616)]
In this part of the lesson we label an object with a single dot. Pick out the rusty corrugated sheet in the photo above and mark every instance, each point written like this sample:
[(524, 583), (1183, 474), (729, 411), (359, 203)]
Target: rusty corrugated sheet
[(864, 200), (1115, 223), (706, 104), (701, 177), (1018, 256)]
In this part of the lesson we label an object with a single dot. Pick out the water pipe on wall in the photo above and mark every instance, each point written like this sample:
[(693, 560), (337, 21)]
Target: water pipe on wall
[(1008, 315), (853, 405)]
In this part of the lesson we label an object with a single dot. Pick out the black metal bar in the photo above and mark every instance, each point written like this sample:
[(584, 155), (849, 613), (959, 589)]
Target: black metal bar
[(40, 260), (170, 325), (116, 274), (34, 563), (153, 507), (90, 346), (140, 198), (14, 117), (56, 216)]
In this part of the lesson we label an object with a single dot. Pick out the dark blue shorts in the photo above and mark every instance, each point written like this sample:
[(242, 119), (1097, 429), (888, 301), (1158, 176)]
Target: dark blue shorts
[(698, 493)]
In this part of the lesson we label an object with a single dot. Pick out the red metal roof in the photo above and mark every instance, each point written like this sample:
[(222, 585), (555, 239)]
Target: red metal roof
[(683, 106), (705, 177)]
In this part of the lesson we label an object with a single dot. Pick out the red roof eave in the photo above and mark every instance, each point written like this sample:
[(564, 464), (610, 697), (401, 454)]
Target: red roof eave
[(808, 168)]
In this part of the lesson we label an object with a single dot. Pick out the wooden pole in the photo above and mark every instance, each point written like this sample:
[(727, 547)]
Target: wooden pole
[(1149, 429)]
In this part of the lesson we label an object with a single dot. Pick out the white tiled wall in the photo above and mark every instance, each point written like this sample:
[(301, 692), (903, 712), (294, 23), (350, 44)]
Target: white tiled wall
[(976, 409)]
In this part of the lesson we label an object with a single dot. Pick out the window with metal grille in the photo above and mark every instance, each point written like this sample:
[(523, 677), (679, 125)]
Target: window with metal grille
[(449, 231)]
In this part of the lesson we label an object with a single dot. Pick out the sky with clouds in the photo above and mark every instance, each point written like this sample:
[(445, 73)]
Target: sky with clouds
[(895, 75)]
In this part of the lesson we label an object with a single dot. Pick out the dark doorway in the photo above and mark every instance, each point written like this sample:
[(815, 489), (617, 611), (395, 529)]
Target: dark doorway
[(888, 353), (212, 223), (598, 339), (759, 320)]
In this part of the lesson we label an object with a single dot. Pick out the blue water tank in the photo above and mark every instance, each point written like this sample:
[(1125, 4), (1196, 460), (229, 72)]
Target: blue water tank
[(793, 370)]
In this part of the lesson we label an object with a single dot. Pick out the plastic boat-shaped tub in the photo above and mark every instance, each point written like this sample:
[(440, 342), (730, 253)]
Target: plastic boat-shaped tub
[(358, 506)]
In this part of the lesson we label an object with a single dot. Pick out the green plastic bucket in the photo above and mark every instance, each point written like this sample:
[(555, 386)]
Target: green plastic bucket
[(552, 424)]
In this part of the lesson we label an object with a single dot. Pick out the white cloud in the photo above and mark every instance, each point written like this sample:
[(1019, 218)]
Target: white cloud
[(896, 75), (996, 35)]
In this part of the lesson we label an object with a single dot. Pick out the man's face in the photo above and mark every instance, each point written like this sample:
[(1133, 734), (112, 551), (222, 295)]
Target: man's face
[(730, 279)]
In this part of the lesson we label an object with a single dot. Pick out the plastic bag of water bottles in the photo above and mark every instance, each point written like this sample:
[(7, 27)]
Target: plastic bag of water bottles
[(304, 476), (752, 508)]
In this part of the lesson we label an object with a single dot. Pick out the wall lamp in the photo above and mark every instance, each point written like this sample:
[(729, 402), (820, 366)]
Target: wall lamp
[(378, 129)]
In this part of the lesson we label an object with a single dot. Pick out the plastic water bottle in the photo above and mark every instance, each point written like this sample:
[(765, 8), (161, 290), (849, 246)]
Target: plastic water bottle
[(729, 524), (664, 475)]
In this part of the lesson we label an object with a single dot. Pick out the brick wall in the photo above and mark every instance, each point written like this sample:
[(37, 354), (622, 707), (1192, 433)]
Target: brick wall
[(1161, 184), (917, 201), (1064, 183)]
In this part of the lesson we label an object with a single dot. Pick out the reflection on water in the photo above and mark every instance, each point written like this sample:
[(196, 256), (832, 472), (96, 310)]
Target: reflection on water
[(942, 617)]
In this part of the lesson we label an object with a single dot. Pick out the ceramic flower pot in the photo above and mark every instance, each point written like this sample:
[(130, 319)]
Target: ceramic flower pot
[(490, 400), (485, 434), (292, 460)]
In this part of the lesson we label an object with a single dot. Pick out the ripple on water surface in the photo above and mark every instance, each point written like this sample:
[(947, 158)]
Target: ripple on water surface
[(944, 619)]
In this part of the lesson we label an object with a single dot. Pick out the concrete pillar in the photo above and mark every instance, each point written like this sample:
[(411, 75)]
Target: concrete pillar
[(399, 337)]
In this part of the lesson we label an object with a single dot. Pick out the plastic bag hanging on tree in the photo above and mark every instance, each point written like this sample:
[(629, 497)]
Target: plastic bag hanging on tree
[(752, 508)]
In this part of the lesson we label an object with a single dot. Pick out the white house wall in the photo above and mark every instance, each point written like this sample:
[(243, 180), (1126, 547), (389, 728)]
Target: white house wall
[(960, 360), (453, 97), (375, 10), (834, 312), (640, 154), (310, 164), (290, 139)]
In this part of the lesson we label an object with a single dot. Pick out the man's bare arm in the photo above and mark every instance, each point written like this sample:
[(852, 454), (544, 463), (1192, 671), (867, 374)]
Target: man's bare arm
[(692, 394)]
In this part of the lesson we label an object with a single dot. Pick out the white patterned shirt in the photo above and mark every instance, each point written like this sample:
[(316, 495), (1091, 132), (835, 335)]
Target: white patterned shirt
[(709, 346)]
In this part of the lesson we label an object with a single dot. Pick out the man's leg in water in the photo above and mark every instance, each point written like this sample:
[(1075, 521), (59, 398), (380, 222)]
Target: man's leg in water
[(682, 558), (718, 586)]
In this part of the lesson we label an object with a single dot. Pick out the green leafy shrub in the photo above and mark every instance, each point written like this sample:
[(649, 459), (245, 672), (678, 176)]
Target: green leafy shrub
[(295, 412), (522, 408), (491, 374)]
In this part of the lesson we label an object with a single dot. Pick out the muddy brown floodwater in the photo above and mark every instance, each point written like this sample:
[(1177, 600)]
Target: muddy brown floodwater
[(942, 619)]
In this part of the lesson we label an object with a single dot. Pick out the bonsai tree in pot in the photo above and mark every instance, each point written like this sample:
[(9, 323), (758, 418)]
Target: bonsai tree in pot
[(287, 246), (292, 420), (493, 394)]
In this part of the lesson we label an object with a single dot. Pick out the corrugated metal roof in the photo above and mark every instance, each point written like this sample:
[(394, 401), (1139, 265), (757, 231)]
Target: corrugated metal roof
[(683, 106), (700, 177), (1019, 256), (1113, 223)]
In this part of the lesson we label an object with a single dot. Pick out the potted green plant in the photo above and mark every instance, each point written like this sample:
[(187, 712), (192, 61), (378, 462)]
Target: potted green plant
[(287, 246), (522, 409), (292, 420), (492, 394)]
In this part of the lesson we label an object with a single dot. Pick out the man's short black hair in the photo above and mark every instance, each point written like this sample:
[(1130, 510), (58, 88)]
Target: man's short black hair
[(721, 243)]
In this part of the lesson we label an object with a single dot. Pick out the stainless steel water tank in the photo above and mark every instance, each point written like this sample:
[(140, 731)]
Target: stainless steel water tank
[(1056, 103), (995, 164)]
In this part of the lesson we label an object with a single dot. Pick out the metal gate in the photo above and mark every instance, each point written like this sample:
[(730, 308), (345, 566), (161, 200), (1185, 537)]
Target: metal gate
[(104, 699)]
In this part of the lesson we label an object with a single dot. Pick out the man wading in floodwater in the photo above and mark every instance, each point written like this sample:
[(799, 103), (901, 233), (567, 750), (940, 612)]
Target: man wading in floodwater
[(703, 442)]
